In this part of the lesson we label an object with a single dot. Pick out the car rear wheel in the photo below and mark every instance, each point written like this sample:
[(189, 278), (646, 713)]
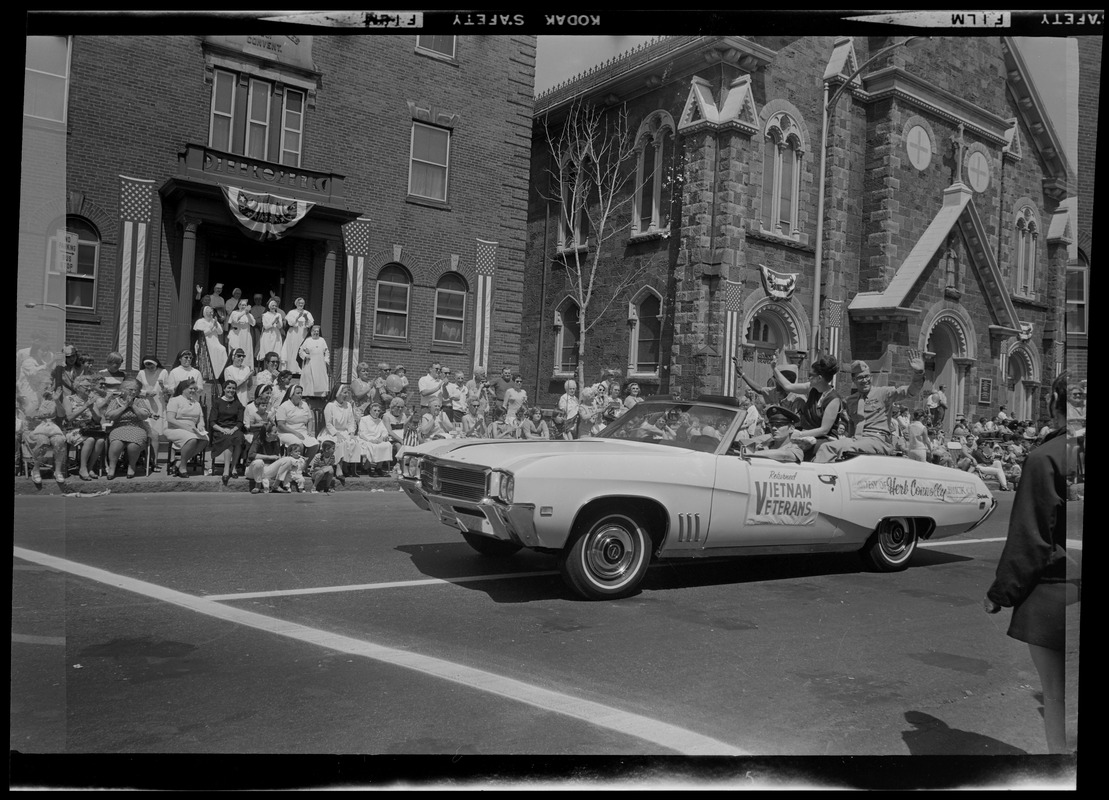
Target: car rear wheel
[(892, 545), (609, 559), (487, 546)]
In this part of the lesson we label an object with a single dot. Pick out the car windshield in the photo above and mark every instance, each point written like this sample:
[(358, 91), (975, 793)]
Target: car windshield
[(675, 424)]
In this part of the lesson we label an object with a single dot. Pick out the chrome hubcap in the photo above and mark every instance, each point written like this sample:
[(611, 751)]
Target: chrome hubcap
[(610, 554)]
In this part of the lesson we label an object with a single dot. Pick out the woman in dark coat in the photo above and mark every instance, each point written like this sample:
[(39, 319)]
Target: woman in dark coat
[(225, 423), (1032, 573)]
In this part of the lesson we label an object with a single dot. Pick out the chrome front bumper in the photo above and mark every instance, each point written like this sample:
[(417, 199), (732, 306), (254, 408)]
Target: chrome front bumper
[(511, 523)]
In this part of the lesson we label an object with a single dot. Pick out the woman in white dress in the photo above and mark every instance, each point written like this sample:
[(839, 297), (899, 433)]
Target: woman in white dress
[(569, 404), (184, 369), (185, 426), (153, 387), (375, 441), (240, 321), (211, 354), (273, 327), (299, 322), (315, 358), (340, 425), (243, 375), (294, 419)]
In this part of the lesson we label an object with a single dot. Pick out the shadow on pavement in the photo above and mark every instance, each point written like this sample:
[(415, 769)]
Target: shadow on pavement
[(932, 737)]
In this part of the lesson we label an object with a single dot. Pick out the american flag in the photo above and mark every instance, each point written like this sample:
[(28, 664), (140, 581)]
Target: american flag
[(733, 305), (136, 201), (485, 262), (833, 323), (356, 241)]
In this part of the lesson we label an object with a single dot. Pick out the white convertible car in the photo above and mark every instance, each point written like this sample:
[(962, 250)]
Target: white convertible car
[(670, 480)]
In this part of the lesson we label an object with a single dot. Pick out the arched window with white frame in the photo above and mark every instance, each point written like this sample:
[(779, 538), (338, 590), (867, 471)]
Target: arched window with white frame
[(654, 173), (1025, 241), (394, 286), (782, 154), (645, 323), (450, 309), (567, 337)]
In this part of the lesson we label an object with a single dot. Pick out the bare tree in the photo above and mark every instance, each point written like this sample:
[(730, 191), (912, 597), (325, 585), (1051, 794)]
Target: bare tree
[(592, 171)]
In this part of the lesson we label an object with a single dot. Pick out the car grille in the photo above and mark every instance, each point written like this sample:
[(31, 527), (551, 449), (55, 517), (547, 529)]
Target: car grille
[(460, 483)]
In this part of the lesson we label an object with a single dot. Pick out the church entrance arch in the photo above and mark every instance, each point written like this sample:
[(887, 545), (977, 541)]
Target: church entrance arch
[(1022, 379), (949, 346), (769, 326)]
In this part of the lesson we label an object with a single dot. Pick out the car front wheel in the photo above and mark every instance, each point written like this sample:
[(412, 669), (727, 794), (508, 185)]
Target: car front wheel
[(487, 546), (609, 559), (892, 545)]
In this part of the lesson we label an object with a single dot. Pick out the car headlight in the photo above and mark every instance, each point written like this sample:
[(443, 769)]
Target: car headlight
[(410, 466), (502, 486)]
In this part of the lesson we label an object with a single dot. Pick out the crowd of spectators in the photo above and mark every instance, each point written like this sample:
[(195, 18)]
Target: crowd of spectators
[(266, 431)]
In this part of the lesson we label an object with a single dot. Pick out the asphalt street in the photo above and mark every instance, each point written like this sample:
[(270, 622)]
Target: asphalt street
[(355, 624)]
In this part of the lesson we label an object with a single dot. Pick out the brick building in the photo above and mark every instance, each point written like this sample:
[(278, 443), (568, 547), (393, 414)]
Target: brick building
[(942, 224), (382, 178)]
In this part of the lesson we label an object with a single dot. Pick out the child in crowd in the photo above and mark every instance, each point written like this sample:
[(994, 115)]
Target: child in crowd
[(325, 470), (274, 473)]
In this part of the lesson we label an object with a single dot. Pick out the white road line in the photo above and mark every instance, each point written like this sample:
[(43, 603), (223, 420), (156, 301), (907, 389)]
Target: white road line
[(362, 587), (1072, 544), (671, 737)]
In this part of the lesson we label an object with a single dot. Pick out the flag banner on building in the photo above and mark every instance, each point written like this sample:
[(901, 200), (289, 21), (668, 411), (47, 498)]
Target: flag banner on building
[(136, 203), (779, 285), (833, 324), (485, 263), (265, 216), (356, 242), (733, 307)]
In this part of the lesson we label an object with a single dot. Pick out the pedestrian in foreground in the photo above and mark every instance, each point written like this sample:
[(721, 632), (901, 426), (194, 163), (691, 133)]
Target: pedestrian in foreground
[(1032, 573)]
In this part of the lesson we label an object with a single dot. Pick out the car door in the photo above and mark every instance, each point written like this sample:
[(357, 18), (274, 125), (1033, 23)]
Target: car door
[(760, 502)]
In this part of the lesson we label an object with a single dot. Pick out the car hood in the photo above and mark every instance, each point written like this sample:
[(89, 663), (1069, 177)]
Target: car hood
[(514, 454)]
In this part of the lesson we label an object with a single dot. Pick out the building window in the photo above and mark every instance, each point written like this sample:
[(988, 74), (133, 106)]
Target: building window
[(222, 122), (428, 172), (573, 228), (258, 119), (391, 307), (450, 309), (783, 150), (292, 127), (1078, 287), (569, 334), (654, 170), (646, 334), (74, 258), (442, 45), (46, 78), (1024, 245)]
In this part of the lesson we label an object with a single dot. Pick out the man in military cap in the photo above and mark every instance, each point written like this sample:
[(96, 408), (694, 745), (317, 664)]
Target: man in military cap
[(871, 410), (781, 446)]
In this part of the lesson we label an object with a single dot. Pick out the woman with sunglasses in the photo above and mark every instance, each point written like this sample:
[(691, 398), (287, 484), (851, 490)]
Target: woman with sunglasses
[(184, 369), (84, 411), (127, 413), (226, 424), (185, 426), (241, 371), (515, 397)]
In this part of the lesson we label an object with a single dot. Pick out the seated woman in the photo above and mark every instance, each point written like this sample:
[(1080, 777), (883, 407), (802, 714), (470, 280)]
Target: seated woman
[(185, 426), (84, 411), (499, 427), (472, 424), (260, 427), (127, 413), (396, 418), (294, 418), (534, 426), (375, 442), (41, 435), (226, 424), (435, 424), (340, 425), (822, 405)]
